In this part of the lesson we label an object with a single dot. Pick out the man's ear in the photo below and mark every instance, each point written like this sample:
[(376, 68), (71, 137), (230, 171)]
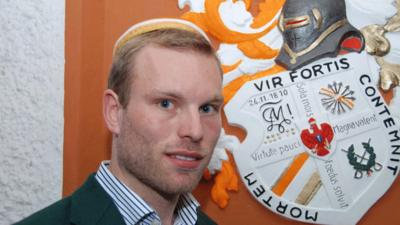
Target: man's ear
[(111, 111)]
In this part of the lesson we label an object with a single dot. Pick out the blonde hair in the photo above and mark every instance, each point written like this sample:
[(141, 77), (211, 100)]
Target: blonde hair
[(122, 68)]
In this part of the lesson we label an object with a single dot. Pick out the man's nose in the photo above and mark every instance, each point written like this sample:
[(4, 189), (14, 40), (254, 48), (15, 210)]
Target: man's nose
[(191, 125)]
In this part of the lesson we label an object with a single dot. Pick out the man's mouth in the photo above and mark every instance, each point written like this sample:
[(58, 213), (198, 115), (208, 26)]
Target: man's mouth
[(186, 160)]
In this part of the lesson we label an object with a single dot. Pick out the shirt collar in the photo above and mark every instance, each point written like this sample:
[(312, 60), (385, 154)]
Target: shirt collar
[(134, 209)]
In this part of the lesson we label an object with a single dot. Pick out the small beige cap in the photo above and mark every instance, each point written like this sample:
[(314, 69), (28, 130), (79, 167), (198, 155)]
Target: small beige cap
[(156, 24)]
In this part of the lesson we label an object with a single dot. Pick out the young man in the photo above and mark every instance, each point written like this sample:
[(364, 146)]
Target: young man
[(162, 107)]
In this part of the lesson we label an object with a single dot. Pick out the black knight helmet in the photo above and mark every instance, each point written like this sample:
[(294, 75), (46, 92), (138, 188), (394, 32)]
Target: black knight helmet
[(313, 29)]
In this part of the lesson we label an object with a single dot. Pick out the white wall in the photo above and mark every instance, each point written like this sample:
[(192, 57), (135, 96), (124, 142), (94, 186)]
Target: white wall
[(31, 105)]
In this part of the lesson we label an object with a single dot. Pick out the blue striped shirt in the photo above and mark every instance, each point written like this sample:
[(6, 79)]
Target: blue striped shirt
[(135, 210)]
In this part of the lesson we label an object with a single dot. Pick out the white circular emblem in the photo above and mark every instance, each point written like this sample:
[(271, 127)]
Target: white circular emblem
[(321, 144)]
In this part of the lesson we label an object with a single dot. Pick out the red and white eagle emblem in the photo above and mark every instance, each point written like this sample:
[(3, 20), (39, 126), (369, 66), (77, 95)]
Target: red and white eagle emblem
[(318, 139)]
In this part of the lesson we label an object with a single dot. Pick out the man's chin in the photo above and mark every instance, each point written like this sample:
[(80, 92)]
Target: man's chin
[(182, 185)]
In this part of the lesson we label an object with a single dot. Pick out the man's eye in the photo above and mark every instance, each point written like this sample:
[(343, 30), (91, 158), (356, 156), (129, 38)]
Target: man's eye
[(208, 109), (165, 103)]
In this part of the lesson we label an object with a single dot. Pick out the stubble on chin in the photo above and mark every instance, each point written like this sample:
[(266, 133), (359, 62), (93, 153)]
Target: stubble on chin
[(137, 160), (166, 182)]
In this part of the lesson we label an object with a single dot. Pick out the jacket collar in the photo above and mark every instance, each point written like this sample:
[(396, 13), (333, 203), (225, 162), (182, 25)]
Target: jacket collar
[(90, 205)]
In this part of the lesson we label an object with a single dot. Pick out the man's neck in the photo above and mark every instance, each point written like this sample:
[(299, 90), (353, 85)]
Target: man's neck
[(163, 204)]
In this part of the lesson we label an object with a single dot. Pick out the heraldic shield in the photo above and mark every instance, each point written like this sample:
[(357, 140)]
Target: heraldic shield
[(321, 146), (302, 78)]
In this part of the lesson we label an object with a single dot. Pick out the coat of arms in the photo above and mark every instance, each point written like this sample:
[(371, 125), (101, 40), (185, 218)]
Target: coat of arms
[(302, 78)]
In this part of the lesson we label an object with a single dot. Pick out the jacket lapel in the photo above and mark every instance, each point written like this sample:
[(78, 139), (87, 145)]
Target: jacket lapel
[(91, 205)]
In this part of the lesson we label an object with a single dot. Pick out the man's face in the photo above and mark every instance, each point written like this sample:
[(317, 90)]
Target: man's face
[(172, 121)]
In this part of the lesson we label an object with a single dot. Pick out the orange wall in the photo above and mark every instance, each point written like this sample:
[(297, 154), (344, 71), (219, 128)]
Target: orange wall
[(92, 26)]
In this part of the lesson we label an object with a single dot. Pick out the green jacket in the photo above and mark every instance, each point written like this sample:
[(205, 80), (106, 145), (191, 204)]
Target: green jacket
[(89, 205)]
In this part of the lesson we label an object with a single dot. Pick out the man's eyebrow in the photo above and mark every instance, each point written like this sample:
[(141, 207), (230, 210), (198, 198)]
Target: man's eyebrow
[(218, 99), (155, 92), (173, 93), (163, 93)]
